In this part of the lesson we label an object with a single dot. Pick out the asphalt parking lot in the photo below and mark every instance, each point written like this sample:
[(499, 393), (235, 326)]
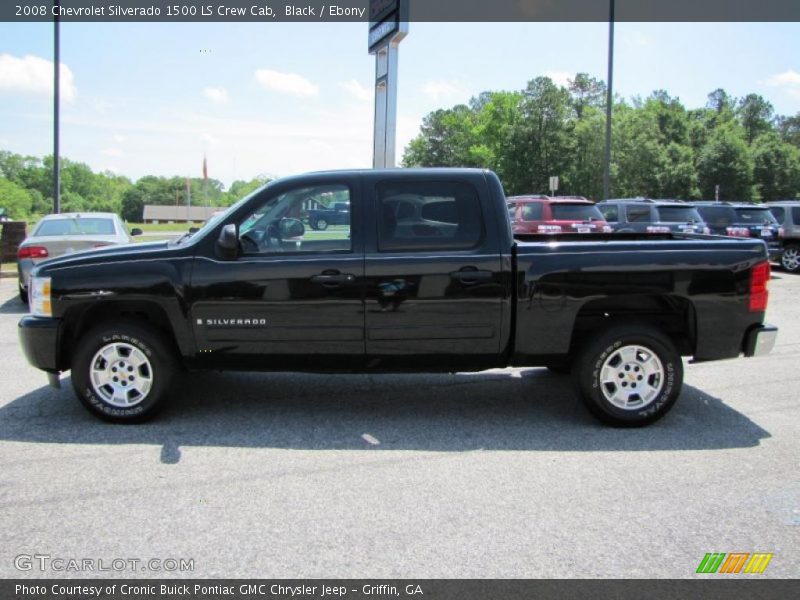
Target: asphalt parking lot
[(496, 474)]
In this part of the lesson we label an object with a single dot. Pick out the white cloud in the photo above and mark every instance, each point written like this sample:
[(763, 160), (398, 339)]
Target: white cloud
[(209, 139), (119, 138), (358, 91), (34, 75), (113, 151), (441, 89), (560, 77), (790, 78), (217, 95), (286, 83)]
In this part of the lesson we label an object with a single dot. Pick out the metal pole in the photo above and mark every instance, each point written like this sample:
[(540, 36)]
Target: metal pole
[(609, 102), (56, 102)]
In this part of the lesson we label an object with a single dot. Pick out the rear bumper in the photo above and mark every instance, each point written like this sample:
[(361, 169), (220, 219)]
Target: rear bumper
[(760, 340), (38, 337)]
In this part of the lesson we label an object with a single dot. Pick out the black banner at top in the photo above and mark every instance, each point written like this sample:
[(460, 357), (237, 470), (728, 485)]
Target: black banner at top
[(420, 10)]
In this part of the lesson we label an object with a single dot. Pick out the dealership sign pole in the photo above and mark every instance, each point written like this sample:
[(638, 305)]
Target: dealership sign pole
[(388, 25)]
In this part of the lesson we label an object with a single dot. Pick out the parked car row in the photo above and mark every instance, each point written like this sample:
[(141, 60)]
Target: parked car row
[(776, 223)]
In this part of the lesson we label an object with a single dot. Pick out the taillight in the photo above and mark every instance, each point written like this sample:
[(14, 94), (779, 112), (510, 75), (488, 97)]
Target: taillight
[(32, 252), (759, 278), (549, 229), (737, 231), (657, 229)]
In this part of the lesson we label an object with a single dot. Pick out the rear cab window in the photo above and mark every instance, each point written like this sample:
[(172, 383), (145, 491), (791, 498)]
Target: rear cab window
[(755, 216), (575, 212), (76, 226), (717, 216)]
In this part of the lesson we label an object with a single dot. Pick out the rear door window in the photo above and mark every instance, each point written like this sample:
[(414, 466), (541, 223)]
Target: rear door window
[(778, 213), (417, 216), (610, 212)]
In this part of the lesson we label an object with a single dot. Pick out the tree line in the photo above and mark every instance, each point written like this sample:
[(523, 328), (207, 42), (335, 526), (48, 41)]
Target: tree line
[(26, 189), (660, 149)]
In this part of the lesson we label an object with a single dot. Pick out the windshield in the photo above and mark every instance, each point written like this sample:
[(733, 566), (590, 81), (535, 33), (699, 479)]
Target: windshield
[(576, 212), (755, 216), (75, 226), (678, 214)]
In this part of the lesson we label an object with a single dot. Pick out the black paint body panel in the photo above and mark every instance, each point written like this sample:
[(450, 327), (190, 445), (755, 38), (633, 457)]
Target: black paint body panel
[(411, 310)]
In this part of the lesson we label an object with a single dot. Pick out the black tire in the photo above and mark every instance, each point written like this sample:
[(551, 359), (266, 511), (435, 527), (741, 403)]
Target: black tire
[(313, 225), (605, 352), (23, 296), (790, 259), (321, 224), (161, 365)]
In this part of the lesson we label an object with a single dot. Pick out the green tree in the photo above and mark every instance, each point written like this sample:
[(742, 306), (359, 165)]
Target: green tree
[(725, 161), (755, 115), (15, 199), (776, 168)]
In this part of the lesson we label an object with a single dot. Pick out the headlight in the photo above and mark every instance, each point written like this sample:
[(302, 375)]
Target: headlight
[(40, 297)]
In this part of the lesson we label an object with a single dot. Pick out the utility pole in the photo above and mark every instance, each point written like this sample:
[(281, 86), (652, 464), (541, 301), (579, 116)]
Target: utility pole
[(609, 102), (56, 102)]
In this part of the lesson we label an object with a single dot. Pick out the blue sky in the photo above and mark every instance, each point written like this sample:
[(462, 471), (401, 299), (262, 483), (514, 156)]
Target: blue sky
[(283, 98)]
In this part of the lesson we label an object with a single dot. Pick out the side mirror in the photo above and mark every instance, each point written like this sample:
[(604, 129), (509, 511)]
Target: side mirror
[(136, 231), (291, 228), (228, 242)]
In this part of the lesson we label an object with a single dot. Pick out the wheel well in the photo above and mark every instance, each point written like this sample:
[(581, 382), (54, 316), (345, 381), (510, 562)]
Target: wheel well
[(672, 315), (81, 321)]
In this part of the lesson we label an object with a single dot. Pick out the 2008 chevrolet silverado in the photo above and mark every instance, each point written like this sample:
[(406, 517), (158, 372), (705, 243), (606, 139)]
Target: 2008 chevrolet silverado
[(427, 277)]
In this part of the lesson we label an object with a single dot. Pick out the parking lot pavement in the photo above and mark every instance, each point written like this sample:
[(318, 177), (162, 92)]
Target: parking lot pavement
[(495, 474)]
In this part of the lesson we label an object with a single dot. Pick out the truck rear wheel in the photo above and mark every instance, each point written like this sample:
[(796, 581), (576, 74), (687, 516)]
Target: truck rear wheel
[(629, 376), (122, 372), (321, 224)]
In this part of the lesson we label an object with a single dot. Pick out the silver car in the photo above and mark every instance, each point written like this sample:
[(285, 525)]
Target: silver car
[(56, 235)]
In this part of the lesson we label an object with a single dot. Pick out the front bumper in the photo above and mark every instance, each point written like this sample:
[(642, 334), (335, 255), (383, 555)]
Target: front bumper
[(760, 340), (39, 337)]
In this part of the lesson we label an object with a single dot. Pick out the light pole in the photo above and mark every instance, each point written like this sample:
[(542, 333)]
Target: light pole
[(609, 102), (56, 100)]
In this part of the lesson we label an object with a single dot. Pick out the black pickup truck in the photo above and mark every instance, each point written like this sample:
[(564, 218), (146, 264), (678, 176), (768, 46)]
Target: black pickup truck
[(427, 278)]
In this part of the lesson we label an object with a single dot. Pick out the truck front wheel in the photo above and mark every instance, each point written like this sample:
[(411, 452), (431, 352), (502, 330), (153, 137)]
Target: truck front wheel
[(122, 372), (629, 376)]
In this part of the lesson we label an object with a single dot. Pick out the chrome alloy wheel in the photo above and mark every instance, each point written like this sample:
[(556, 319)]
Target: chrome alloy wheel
[(790, 259), (121, 374), (631, 377)]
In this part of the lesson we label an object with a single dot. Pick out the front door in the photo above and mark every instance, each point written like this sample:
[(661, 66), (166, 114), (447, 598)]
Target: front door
[(293, 298)]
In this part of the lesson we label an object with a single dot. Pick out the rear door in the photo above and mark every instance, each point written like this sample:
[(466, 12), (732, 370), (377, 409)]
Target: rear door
[(433, 273)]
